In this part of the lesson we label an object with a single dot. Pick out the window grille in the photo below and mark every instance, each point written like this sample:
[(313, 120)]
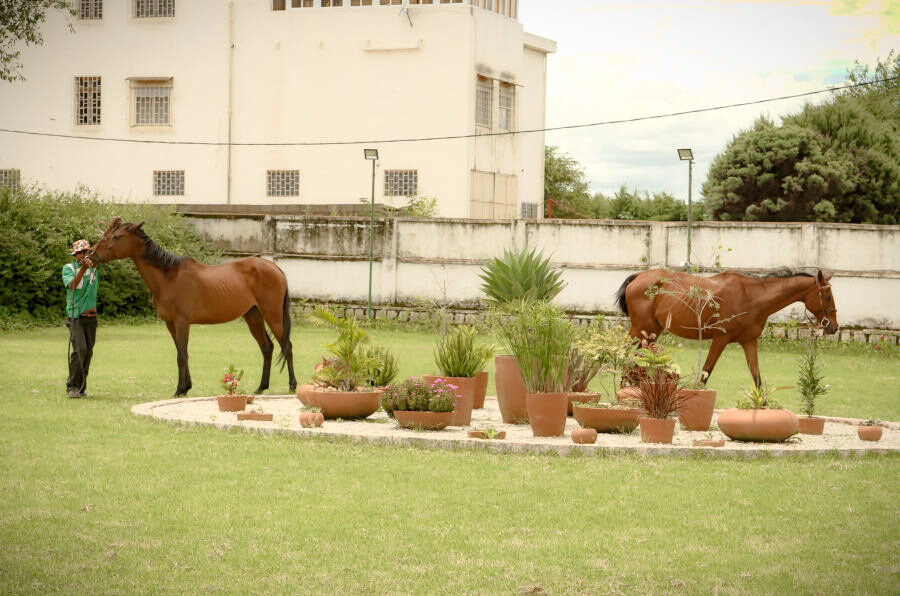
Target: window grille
[(148, 9), (87, 94), (483, 93), (168, 183), (301, 3), (283, 183), (506, 103), (332, 3), (528, 210), (89, 10), (9, 179), (400, 183), (151, 103)]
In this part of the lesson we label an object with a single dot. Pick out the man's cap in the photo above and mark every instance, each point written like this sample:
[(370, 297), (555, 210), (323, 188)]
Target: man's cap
[(80, 245)]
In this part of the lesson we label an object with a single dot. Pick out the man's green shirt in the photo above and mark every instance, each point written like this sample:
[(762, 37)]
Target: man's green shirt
[(84, 296)]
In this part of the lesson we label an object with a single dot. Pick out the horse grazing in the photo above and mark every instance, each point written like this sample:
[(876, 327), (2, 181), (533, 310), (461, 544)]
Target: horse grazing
[(186, 292), (661, 300)]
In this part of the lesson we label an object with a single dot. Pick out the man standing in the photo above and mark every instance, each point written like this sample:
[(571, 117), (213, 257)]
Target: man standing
[(80, 279)]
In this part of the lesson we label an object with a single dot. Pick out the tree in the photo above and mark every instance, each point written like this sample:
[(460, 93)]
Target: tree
[(564, 183), (20, 21)]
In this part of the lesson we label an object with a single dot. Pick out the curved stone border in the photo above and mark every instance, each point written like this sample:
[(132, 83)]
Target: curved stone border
[(840, 433)]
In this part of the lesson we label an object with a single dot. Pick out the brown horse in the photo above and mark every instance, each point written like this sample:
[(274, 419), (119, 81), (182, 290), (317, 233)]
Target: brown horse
[(185, 292), (660, 300)]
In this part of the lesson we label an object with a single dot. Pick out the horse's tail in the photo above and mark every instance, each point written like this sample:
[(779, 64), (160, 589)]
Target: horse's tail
[(620, 295), (286, 327)]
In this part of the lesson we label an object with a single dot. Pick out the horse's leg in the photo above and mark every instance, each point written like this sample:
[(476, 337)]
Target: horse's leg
[(715, 350), (180, 333), (752, 355), (258, 330), (278, 318)]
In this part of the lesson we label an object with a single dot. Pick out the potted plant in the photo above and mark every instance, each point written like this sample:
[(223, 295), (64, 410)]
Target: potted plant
[(417, 404), (758, 417), (539, 337), (526, 274), (383, 366), (233, 400), (459, 360), (311, 417), (659, 394), (869, 429), (487, 433), (811, 386), (582, 370), (340, 383)]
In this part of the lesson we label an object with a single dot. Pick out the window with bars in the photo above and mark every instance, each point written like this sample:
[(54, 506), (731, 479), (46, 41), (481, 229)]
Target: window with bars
[(302, 3), (528, 210), (90, 10), (168, 183), (506, 105), (152, 102), (400, 183), (332, 3), (87, 98), (9, 179), (149, 9), (283, 183), (484, 91)]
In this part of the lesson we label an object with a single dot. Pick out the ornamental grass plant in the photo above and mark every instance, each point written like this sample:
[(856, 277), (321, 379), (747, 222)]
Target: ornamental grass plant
[(457, 355), (810, 380)]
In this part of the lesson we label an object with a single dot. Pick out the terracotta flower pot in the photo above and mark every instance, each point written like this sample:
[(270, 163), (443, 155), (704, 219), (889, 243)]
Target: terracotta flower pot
[(480, 434), (607, 420), (869, 433), (583, 397), (657, 430), (547, 413), (584, 436), (257, 416), (481, 383), (696, 410), (758, 425), (311, 419), (423, 420), (465, 395), (510, 390), (232, 403), (341, 404), (811, 425)]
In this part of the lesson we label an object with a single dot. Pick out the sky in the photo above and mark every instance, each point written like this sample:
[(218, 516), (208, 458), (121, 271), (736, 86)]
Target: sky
[(620, 60)]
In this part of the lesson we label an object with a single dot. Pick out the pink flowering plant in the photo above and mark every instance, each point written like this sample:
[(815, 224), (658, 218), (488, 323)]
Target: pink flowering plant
[(231, 382), (416, 395)]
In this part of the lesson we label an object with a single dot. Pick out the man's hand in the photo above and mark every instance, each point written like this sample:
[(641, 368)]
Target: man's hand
[(87, 262)]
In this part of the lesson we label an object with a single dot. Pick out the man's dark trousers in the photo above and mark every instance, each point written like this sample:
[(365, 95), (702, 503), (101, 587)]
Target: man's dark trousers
[(82, 333)]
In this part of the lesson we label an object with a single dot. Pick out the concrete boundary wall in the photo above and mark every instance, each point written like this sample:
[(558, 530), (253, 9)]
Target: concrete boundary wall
[(327, 258)]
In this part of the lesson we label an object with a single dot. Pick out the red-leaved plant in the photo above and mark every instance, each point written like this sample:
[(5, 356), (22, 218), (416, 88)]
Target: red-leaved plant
[(232, 380)]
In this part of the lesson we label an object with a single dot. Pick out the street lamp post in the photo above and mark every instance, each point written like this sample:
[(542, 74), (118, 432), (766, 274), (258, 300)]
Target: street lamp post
[(688, 155), (371, 154)]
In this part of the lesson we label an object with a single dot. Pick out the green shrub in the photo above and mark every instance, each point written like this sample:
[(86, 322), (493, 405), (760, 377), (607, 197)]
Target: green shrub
[(37, 228), (523, 275)]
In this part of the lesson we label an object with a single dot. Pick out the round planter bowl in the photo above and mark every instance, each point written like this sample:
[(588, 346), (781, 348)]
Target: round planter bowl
[(869, 433), (547, 414), (311, 419), (811, 425), (696, 410), (584, 436), (607, 420), (341, 404), (232, 403), (657, 430), (302, 391), (423, 420), (766, 426)]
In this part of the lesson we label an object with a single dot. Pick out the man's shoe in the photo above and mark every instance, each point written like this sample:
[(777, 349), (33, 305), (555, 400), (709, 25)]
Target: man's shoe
[(73, 393)]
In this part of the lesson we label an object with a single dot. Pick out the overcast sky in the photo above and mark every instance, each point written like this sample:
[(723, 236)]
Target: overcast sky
[(618, 60)]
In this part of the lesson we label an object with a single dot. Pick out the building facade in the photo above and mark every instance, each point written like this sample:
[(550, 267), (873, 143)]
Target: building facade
[(271, 102)]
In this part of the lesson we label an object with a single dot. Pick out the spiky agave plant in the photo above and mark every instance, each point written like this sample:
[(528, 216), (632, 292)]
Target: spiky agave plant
[(523, 275)]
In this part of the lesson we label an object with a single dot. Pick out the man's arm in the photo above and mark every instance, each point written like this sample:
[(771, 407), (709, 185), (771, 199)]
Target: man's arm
[(85, 265)]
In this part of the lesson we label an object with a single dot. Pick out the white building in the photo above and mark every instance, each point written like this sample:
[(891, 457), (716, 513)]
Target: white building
[(262, 102)]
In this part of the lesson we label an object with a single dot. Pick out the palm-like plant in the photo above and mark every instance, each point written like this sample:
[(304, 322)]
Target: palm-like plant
[(349, 368), (523, 275), (810, 380)]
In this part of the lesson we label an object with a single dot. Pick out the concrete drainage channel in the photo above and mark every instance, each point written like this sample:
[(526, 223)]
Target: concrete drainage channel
[(839, 436)]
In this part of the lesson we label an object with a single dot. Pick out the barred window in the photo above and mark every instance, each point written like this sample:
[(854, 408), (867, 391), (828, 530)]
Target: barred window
[(283, 183), (148, 9), (87, 94), (89, 10), (528, 210), (327, 3), (167, 183), (301, 3), (400, 183), (9, 179), (152, 100), (484, 90), (506, 104)]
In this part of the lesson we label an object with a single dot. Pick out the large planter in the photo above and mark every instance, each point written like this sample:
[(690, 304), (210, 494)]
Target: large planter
[(758, 425), (232, 403), (510, 390), (547, 413), (481, 383), (583, 397), (340, 404), (423, 420), (465, 395), (608, 420), (657, 430), (869, 433), (696, 409), (811, 425)]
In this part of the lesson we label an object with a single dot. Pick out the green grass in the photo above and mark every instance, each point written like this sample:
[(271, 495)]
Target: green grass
[(96, 500)]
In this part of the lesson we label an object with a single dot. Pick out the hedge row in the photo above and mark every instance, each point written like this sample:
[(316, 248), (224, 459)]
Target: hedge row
[(37, 229)]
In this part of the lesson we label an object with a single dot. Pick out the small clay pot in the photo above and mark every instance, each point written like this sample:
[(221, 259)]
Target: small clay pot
[(232, 403), (869, 433), (258, 416), (811, 425), (547, 414), (311, 419), (657, 430), (584, 436)]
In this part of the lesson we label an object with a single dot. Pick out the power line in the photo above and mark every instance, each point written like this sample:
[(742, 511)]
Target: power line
[(451, 137)]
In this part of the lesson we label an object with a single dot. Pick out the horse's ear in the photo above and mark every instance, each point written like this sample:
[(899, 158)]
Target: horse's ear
[(822, 278), (138, 227)]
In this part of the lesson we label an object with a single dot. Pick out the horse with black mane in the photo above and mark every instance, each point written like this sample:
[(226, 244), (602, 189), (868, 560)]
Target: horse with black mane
[(186, 292), (745, 302)]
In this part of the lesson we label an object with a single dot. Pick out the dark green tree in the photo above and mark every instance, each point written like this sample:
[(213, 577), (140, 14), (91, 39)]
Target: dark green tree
[(20, 21), (565, 184)]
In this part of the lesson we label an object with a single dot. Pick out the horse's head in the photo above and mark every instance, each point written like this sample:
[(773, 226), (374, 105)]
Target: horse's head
[(820, 302), (119, 241)]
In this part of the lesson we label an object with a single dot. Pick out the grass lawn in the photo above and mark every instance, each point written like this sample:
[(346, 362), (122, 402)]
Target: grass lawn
[(96, 500)]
